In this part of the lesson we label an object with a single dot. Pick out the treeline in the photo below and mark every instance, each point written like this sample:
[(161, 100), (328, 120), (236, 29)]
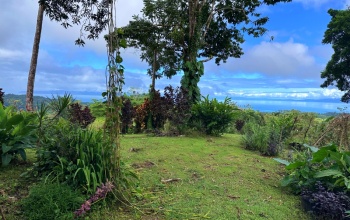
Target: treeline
[(19, 101)]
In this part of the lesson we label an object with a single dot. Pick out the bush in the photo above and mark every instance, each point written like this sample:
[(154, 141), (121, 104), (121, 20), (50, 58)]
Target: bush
[(78, 157), (98, 108), (245, 116), (17, 133), (212, 116), (128, 113), (255, 137), (324, 203), (326, 165), (79, 115), (262, 138), (51, 201)]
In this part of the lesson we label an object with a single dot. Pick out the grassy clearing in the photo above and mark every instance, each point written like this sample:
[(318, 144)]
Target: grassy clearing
[(208, 178), (186, 178)]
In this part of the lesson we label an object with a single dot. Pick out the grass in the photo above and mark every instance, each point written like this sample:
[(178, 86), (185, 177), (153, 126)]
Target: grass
[(207, 178), (187, 178), (13, 188)]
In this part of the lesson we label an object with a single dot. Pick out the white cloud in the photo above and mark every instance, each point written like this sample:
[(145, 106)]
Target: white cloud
[(313, 3), (281, 59)]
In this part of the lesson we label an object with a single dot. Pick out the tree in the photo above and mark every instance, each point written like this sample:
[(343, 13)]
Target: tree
[(337, 71), (34, 59), (197, 31), (150, 38), (91, 14)]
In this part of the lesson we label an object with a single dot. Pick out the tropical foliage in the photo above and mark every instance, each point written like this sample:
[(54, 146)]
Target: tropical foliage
[(17, 133)]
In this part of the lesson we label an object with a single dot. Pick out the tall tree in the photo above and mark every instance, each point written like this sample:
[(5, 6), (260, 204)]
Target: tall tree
[(91, 14), (34, 60), (337, 71), (150, 38), (197, 31)]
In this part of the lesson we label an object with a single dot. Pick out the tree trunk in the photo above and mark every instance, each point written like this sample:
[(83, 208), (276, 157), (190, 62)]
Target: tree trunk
[(154, 72), (34, 60)]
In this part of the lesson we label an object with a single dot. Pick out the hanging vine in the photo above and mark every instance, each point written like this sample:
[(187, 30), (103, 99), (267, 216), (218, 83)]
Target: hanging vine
[(114, 84)]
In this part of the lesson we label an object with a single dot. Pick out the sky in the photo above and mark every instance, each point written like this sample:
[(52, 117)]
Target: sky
[(286, 68)]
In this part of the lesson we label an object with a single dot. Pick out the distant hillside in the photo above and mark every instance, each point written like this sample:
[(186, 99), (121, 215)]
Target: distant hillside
[(20, 100)]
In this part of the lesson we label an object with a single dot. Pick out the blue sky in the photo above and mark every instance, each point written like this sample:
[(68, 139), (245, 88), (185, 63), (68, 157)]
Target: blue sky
[(286, 68)]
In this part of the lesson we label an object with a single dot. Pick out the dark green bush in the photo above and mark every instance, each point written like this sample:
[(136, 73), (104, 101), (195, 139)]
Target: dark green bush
[(212, 116), (51, 201)]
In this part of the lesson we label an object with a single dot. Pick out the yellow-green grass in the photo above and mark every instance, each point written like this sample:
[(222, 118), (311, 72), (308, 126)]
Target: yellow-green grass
[(212, 178)]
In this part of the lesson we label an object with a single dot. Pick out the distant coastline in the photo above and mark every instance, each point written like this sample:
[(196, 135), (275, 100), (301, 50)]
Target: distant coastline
[(320, 106)]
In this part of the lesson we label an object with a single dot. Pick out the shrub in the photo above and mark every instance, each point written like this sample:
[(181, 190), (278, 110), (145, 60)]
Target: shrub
[(326, 164), (78, 157), (128, 113), (51, 201), (17, 133), (324, 203), (214, 116), (178, 108), (255, 136), (245, 116), (79, 115), (98, 108)]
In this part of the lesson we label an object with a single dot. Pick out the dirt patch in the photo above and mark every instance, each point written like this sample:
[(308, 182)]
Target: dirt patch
[(146, 164)]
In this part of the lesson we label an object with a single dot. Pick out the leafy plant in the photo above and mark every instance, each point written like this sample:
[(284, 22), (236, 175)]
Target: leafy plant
[(255, 136), (326, 164), (98, 108), (128, 113), (80, 115), (324, 203), (51, 201), (178, 108), (244, 116), (214, 116), (17, 132)]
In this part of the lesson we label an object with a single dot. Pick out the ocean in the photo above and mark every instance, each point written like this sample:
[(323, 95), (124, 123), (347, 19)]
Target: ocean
[(317, 106)]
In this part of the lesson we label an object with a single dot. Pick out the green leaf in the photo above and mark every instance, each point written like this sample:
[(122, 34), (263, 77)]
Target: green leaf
[(287, 180), (6, 148), (313, 149), (23, 154), (285, 162), (320, 155), (6, 159), (123, 43), (14, 120), (325, 173), (295, 165)]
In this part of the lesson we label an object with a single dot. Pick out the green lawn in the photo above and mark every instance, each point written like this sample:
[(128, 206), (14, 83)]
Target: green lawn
[(213, 178), (185, 178)]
